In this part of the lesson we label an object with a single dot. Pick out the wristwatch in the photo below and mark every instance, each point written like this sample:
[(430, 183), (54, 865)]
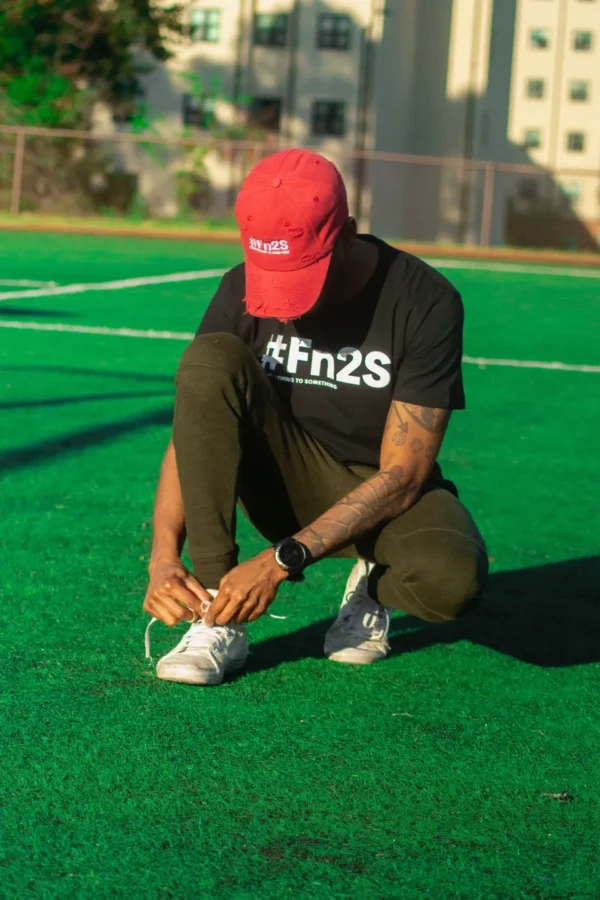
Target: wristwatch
[(293, 557)]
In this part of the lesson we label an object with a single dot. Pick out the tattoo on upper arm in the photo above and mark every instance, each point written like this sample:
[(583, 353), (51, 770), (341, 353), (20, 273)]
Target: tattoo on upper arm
[(399, 436), (432, 420)]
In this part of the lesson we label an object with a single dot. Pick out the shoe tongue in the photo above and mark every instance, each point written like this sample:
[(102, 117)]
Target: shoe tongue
[(360, 598), (201, 633)]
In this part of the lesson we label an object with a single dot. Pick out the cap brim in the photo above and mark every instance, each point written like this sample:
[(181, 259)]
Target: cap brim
[(284, 295)]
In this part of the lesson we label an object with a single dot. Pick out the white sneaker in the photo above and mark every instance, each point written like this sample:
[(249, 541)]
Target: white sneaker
[(205, 655), (360, 632)]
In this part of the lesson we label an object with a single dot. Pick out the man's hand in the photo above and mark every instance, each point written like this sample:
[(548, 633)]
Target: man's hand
[(174, 595), (247, 591)]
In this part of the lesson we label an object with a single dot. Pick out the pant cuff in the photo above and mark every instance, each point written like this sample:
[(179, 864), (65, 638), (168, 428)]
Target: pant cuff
[(210, 571)]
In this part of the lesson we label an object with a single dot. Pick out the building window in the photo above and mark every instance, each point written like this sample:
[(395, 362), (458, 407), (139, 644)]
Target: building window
[(270, 29), (265, 113), (539, 38), (579, 91), (328, 118), (576, 141), (572, 191), (532, 138), (198, 112), (536, 88), (333, 32), (529, 190), (582, 40), (205, 25)]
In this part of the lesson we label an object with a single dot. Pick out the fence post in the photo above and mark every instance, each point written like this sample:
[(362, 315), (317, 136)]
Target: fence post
[(488, 205), (17, 180)]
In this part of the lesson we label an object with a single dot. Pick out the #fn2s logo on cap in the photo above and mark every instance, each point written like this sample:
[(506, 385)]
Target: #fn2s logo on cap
[(277, 248)]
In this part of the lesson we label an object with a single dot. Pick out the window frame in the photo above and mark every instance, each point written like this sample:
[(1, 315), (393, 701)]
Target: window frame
[(271, 30), (529, 146), (205, 27), (532, 45), (579, 81), (573, 197), (321, 32), (204, 107), (528, 84), (314, 117), (578, 33), (528, 189), (264, 102), (574, 134)]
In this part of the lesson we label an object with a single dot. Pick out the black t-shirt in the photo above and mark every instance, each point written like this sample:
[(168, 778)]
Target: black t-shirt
[(339, 369)]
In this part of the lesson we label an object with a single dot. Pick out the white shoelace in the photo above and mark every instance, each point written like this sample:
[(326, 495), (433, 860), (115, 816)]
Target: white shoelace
[(199, 637), (205, 605), (193, 640)]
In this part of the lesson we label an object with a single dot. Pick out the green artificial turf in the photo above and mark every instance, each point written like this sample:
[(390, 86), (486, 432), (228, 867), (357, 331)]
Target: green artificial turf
[(421, 777)]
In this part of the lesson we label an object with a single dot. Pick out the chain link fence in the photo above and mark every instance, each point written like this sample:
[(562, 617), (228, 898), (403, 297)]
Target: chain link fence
[(399, 196)]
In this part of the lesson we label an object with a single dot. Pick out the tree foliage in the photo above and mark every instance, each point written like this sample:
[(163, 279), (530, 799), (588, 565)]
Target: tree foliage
[(57, 57)]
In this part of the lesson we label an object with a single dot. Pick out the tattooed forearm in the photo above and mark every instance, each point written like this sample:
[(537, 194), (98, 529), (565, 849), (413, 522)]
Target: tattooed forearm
[(432, 420), (381, 497), (393, 489)]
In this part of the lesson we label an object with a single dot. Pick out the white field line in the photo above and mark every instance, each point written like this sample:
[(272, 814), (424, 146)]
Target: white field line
[(23, 282), (529, 364), (51, 289), (519, 268), (111, 285), (98, 329), (189, 335)]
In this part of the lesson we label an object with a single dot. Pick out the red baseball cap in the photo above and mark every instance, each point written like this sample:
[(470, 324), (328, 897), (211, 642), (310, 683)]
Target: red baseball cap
[(290, 211)]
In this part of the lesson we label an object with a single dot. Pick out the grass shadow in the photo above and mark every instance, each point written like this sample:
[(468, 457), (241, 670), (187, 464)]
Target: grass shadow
[(86, 398), (103, 373), (305, 643), (77, 441), (546, 616)]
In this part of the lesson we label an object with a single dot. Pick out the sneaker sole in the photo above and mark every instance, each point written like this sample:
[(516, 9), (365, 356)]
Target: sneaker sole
[(355, 657), (201, 678)]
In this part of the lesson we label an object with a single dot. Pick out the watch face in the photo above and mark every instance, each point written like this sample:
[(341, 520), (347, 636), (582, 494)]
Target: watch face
[(292, 555)]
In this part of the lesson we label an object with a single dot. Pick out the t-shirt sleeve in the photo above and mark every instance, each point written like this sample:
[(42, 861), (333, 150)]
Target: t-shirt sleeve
[(225, 309), (431, 372)]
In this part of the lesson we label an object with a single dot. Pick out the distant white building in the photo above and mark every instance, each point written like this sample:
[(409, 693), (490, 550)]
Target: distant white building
[(514, 81)]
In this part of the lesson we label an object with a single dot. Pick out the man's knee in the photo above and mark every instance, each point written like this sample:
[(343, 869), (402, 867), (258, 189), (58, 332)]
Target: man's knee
[(221, 352), (440, 578)]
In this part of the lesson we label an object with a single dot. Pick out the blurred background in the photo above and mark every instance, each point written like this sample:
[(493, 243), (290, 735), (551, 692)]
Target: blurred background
[(453, 121)]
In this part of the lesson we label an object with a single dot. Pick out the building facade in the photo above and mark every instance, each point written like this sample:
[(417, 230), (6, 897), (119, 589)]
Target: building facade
[(513, 81), (555, 102)]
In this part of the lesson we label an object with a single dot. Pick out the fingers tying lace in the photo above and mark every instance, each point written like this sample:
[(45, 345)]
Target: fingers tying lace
[(196, 635)]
